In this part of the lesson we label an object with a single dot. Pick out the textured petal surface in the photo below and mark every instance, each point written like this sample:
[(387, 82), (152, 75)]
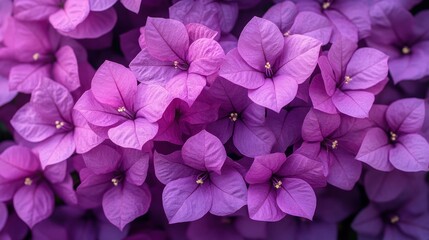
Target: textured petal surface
[(95, 25), (296, 198), (34, 203), (184, 200), (262, 204), (186, 86), (353, 103), (252, 140), (406, 115), (264, 167), (65, 69), (171, 167), (204, 152), (133, 134), (166, 39), (205, 57), (367, 67), (236, 70), (73, 13), (410, 154), (374, 150), (229, 192), (123, 204), (260, 42), (299, 58), (114, 85)]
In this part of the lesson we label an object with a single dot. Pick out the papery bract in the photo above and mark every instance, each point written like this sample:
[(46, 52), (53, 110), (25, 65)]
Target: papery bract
[(269, 65), (199, 179)]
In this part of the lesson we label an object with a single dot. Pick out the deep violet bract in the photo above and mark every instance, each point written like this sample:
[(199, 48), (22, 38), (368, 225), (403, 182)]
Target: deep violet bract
[(214, 119)]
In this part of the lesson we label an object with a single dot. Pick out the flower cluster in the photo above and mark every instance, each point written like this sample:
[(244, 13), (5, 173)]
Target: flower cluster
[(212, 119)]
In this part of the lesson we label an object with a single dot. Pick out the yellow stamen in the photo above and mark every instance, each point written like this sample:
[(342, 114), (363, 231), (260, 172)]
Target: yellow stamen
[(278, 184), (28, 181), (268, 65), (326, 5), (176, 64), (233, 116), (59, 124), (121, 109), (334, 144), (286, 34), (394, 219), (199, 181), (36, 56), (393, 136), (347, 79), (115, 181), (406, 50)]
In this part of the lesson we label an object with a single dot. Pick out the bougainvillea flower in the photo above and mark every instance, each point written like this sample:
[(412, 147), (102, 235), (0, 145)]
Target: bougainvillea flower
[(401, 218), (101, 5), (121, 110), (395, 142), (114, 177), (48, 121), (286, 16), (199, 179), (32, 188), (180, 121), (403, 37), (349, 18), (280, 186), (269, 65), (335, 140), (240, 119), (40, 53), (177, 56), (349, 79)]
